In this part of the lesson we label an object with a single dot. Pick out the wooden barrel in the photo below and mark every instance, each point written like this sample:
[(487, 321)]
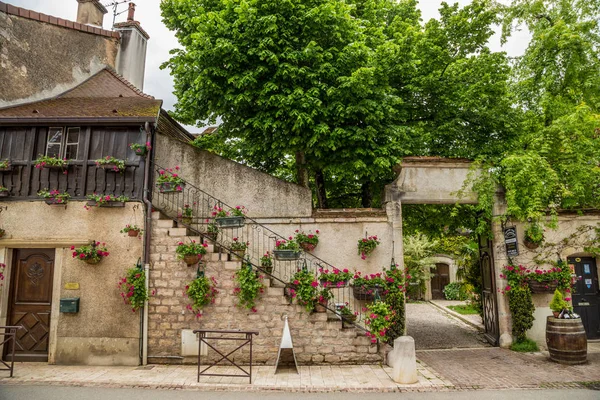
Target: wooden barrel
[(566, 340)]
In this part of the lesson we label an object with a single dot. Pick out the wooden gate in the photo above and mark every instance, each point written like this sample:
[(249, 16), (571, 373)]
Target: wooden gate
[(30, 303), (488, 291)]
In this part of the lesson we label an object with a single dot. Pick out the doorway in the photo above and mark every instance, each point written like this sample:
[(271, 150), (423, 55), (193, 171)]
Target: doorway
[(30, 303), (586, 296), (440, 277)]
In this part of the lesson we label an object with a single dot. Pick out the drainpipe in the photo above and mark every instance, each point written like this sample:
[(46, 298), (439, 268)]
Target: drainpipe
[(147, 240)]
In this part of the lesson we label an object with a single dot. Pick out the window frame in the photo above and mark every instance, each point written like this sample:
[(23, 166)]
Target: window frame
[(64, 143)]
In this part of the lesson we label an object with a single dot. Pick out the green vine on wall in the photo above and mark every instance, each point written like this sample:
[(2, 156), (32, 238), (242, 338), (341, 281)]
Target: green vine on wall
[(249, 287)]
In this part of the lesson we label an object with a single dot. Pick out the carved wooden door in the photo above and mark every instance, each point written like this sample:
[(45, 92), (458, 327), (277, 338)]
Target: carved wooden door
[(30, 303)]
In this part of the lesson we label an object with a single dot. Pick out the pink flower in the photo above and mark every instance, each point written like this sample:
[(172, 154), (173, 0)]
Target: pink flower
[(317, 231), (314, 284), (72, 247), (507, 288), (567, 299)]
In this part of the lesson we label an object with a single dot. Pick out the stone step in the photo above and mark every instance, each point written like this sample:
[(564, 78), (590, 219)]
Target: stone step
[(164, 223), (178, 231)]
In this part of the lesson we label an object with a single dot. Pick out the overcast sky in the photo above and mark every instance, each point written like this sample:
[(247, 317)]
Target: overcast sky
[(159, 83)]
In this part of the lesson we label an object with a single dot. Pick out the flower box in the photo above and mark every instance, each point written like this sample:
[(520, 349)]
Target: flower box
[(239, 254), (170, 187), (93, 203), (4, 193), (52, 202), (110, 167), (367, 293), (230, 222), (187, 220), (192, 259), (542, 287), (55, 167), (286, 255), (7, 168), (141, 151), (334, 285)]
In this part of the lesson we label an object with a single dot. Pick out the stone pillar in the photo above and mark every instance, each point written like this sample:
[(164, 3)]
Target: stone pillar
[(393, 209), (403, 360), (500, 260), (90, 12)]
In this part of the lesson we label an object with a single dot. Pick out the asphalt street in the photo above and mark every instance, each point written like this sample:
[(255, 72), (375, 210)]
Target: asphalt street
[(22, 392)]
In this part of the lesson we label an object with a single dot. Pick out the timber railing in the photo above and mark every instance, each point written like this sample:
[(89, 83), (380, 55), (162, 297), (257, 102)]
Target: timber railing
[(260, 240)]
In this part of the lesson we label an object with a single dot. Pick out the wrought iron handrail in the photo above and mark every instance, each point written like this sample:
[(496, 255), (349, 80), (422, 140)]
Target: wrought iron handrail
[(260, 239)]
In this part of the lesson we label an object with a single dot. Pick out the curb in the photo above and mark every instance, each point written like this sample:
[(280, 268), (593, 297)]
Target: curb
[(458, 316)]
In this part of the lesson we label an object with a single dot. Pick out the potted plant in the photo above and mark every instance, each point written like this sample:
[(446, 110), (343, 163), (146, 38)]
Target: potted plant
[(335, 278), (365, 287), (140, 149), (238, 247), (132, 230), (367, 245), (305, 289), (234, 218), (54, 197), (186, 215), (346, 313), (286, 250), (111, 164), (534, 236), (201, 292), (322, 299), (5, 165), (168, 181), (266, 262), (307, 241), (378, 319), (4, 191), (133, 288), (2, 233), (92, 253), (558, 303), (212, 231), (108, 200), (249, 286), (51, 162), (191, 253)]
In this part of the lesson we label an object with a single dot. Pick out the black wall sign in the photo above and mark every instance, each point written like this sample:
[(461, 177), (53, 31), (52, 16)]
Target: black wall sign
[(510, 239)]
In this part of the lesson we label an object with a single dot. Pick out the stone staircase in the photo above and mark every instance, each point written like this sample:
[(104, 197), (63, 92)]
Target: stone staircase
[(318, 338)]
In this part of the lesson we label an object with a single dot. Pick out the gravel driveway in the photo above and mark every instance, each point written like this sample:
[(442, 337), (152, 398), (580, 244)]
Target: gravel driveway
[(434, 329)]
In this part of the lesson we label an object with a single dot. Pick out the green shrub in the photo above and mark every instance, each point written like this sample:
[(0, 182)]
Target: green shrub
[(525, 345), (455, 291), (558, 303), (396, 302), (521, 308)]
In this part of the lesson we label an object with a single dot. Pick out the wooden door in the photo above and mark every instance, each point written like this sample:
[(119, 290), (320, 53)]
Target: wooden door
[(488, 291), (586, 296), (30, 302), (439, 279)]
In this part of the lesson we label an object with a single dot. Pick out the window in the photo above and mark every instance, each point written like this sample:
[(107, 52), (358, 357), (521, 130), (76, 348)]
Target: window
[(61, 145)]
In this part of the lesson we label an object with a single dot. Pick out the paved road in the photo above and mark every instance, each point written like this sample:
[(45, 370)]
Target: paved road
[(99, 393), (434, 329)]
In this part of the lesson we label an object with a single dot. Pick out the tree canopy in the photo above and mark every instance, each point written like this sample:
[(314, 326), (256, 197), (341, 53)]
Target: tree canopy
[(332, 93)]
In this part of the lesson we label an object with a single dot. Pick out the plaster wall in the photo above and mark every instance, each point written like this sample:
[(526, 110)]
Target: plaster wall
[(567, 225), (233, 183), (44, 60), (105, 331)]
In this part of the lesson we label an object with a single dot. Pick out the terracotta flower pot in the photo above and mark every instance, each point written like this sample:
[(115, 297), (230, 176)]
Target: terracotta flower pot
[(191, 259), (133, 233), (321, 307)]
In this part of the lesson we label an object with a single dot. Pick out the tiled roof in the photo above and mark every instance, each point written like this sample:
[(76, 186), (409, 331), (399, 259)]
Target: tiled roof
[(49, 19), (104, 96)]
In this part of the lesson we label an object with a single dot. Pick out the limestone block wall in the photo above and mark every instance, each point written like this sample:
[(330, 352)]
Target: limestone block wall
[(105, 331), (567, 225), (317, 339)]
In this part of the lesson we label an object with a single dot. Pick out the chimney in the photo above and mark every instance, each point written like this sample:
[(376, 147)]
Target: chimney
[(131, 58), (90, 12)]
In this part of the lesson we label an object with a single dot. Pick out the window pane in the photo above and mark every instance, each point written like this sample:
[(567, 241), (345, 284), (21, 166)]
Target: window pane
[(73, 136), (55, 135), (71, 152), (53, 150)]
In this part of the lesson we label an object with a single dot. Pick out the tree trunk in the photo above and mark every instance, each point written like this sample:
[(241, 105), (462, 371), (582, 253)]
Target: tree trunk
[(321, 193), (367, 195), (301, 171)]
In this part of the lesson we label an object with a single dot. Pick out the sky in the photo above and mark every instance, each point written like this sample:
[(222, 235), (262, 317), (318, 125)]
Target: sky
[(159, 83)]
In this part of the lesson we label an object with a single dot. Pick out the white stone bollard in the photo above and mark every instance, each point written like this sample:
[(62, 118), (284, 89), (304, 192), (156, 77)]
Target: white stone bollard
[(403, 360)]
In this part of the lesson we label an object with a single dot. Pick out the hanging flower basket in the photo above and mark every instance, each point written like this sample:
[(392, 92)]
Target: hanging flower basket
[(5, 166), (187, 220), (170, 187), (334, 285), (309, 247), (542, 287), (367, 293), (4, 193), (230, 222), (530, 245), (321, 307), (92, 261), (133, 233), (238, 254), (192, 259), (286, 255)]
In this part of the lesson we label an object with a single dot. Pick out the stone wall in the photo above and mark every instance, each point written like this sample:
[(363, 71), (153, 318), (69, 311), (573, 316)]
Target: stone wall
[(44, 59), (105, 331), (233, 183), (567, 225), (316, 338)]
